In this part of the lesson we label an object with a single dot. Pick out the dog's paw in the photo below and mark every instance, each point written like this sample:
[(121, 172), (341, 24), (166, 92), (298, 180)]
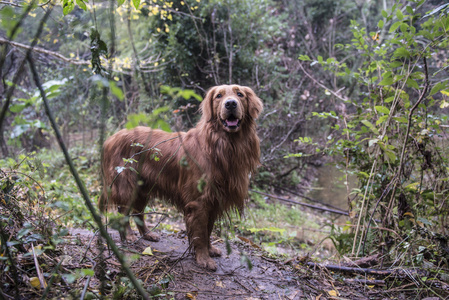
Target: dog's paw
[(151, 236), (129, 239), (209, 264), (206, 262), (214, 252)]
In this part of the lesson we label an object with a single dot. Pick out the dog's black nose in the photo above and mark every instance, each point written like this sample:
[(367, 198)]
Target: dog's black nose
[(230, 104)]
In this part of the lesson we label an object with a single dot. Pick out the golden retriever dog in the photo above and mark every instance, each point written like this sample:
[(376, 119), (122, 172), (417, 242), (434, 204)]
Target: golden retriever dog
[(204, 172)]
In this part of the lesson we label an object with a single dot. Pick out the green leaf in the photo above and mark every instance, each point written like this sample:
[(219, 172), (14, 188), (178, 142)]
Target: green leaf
[(384, 14), (8, 21), (382, 119), (401, 53), (16, 108), (68, 8), (400, 120), (87, 272), (163, 125), (381, 24), (81, 4), (389, 99), (412, 83), (272, 229), (390, 154), (372, 142), (364, 174), (297, 155), (396, 64), (116, 91), (135, 120), (382, 109), (413, 186), (370, 126), (304, 58), (387, 79), (444, 104), (136, 4), (187, 94), (437, 87), (395, 26), (404, 27), (160, 110), (399, 14), (178, 92)]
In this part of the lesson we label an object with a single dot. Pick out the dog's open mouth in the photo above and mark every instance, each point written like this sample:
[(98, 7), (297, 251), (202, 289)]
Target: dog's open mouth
[(231, 122)]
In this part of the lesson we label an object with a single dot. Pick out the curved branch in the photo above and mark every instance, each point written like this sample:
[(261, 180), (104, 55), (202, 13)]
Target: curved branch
[(79, 62), (45, 51), (18, 5), (336, 94)]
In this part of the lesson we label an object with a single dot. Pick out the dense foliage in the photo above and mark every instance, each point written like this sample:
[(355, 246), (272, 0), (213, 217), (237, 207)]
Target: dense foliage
[(390, 134)]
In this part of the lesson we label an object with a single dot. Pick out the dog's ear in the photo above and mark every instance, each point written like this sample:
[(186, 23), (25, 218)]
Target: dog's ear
[(206, 107), (255, 105)]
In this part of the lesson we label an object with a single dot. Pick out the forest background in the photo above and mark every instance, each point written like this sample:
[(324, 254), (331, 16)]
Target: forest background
[(360, 85)]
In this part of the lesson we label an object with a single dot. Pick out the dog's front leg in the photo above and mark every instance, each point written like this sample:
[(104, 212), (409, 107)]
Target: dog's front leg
[(196, 215), (213, 251)]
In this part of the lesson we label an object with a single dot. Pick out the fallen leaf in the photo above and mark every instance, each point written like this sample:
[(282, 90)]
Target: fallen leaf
[(220, 284), (333, 293), (34, 281), (248, 241), (191, 296), (147, 251)]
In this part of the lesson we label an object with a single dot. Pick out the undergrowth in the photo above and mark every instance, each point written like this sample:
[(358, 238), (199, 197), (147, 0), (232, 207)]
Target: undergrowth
[(40, 203)]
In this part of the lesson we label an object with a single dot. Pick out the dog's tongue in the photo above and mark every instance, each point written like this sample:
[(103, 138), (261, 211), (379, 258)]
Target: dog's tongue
[(234, 122)]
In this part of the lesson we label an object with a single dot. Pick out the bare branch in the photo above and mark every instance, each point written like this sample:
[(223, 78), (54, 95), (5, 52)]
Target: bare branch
[(336, 94), (19, 5), (45, 51)]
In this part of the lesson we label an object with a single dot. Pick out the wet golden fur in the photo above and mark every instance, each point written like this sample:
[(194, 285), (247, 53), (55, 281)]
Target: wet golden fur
[(203, 172)]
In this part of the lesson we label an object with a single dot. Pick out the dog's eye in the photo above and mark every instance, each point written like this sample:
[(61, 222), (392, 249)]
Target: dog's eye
[(219, 96), (239, 94)]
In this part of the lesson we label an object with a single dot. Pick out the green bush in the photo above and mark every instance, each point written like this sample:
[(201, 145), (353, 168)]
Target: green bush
[(389, 134)]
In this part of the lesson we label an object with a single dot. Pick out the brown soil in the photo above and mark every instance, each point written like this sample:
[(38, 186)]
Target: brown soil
[(171, 272)]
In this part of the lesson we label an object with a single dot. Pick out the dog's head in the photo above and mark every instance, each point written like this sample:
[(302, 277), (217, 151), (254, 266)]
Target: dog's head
[(231, 106)]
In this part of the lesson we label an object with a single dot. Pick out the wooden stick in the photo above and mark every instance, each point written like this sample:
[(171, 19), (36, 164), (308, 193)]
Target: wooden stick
[(402, 273), (335, 211), (365, 281)]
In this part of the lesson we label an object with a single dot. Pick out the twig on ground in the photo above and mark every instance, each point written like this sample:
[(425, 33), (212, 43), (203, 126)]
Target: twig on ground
[(38, 269), (401, 273), (86, 285), (364, 281)]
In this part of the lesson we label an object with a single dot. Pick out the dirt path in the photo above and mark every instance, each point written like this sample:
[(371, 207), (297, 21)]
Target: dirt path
[(243, 274), (171, 272)]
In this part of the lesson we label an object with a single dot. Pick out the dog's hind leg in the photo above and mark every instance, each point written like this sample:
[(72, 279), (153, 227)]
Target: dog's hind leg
[(126, 233), (146, 233)]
